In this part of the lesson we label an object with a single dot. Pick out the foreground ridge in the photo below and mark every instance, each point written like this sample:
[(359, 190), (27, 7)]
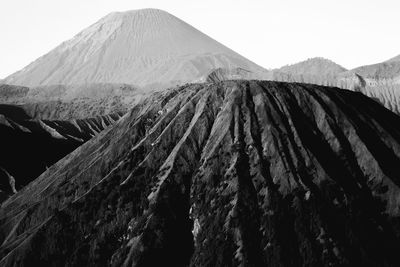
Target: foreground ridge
[(232, 173)]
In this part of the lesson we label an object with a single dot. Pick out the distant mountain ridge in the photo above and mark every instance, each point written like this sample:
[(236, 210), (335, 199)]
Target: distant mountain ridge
[(380, 81), (314, 66)]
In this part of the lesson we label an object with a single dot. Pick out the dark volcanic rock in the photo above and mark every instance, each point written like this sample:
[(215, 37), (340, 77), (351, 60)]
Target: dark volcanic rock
[(234, 173), (29, 147)]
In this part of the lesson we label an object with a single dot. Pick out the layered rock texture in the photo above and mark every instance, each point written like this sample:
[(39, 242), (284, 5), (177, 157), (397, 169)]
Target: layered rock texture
[(148, 48), (232, 173)]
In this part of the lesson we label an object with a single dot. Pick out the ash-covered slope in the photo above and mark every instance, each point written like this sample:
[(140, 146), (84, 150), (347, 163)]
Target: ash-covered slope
[(147, 48), (29, 146), (234, 173)]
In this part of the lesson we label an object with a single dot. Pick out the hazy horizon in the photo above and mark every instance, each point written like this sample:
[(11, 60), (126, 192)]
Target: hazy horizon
[(271, 34)]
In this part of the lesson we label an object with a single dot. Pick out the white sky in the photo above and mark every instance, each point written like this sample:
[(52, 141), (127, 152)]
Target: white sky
[(270, 33)]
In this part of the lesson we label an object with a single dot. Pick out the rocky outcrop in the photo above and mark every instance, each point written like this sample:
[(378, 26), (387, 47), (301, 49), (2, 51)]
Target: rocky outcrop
[(234, 173)]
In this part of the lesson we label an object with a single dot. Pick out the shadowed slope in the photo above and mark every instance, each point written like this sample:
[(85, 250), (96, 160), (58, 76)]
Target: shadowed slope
[(234, 173), (29, 147)]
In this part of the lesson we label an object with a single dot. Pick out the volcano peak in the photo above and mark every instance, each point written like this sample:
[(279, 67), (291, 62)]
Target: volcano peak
[(146, 47)]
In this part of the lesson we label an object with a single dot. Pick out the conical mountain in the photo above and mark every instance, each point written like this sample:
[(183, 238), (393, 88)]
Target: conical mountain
[(236, 173), (141, 47)]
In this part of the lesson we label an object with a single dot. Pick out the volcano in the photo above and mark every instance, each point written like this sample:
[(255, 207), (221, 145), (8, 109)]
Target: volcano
[(146, 48), (234, 173)]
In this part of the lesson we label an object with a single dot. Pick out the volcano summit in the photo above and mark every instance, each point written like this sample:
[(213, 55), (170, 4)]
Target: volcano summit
[(145, 47)]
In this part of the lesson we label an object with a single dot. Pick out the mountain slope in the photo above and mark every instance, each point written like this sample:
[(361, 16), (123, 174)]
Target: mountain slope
[(220, 74), (71, 102), (380, 81), (394, 59), (176, 180), (29, 146), (147, 48), (380, 71)]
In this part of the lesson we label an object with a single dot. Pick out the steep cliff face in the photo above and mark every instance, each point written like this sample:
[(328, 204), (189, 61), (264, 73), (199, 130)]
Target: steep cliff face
[(29, 147), (234, 173)]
